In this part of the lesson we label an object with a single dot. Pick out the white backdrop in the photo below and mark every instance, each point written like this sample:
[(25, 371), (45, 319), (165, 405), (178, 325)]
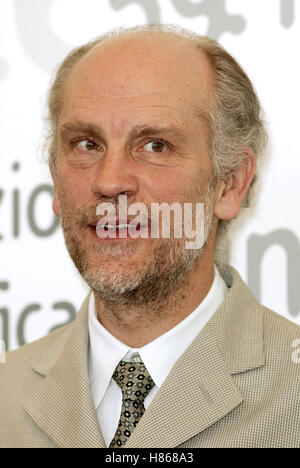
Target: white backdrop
[(39, 287)]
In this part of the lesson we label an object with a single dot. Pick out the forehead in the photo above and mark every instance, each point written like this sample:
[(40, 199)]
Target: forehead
[(149, 72)]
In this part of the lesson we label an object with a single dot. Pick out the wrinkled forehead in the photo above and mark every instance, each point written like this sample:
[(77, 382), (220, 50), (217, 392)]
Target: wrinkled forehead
[(148, 70)]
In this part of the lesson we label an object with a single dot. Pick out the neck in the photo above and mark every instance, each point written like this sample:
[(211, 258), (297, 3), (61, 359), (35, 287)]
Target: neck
[(137, 325)]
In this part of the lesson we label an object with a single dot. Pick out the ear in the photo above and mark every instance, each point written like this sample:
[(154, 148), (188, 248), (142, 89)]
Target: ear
[(233, 190), (55, 202)]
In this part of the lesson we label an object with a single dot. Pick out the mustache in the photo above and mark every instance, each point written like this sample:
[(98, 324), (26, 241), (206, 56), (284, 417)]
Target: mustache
[(87, 215)]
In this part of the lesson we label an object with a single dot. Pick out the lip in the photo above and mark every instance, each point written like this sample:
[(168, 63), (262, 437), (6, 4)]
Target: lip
[(113, 222), (130, 232)]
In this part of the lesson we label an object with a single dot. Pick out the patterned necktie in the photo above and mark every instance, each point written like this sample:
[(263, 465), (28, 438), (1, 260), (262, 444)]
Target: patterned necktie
[(135, 383)]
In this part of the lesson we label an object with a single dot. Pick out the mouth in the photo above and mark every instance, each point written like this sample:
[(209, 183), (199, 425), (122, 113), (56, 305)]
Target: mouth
[(118, 231)]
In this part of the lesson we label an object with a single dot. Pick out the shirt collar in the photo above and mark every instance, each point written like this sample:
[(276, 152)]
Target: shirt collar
[(160, 355)]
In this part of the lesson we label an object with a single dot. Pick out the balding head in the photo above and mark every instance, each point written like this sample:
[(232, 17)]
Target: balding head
[(145, 56), (234, 112)]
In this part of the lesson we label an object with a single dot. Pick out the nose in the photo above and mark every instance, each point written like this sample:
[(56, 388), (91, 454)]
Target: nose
[(115, 176)]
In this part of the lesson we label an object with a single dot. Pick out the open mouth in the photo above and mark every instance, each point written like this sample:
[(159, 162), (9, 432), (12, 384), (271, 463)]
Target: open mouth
[(119, 227), (118, 231)]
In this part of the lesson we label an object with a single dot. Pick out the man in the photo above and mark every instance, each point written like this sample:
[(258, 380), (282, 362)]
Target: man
[(170, 349)]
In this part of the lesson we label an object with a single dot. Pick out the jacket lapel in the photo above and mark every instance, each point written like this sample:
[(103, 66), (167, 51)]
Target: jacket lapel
[(62, 404), (198, 392), (238, 326), (200, 389)]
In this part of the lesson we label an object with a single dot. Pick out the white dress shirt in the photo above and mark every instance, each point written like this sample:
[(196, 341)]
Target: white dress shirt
[(159, 356)]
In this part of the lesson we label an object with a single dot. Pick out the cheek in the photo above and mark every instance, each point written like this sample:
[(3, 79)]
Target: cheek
[(161, 188), (178, 186), (73, 189)]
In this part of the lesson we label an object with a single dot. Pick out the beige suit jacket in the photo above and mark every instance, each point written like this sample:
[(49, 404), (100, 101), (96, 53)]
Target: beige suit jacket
[(235, 386)]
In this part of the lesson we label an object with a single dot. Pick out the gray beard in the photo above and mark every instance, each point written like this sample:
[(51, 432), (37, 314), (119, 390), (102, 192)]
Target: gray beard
[(164, 273), (154, 282), (167, 271)]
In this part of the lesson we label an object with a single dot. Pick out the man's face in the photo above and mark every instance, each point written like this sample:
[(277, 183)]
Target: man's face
[(130, 125)]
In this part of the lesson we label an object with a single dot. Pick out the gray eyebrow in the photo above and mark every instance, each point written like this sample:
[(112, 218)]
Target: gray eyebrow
[(81, 127), (149, 130), (139, 131)]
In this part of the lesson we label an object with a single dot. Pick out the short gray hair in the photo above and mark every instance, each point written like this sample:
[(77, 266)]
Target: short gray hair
[(234, 114)]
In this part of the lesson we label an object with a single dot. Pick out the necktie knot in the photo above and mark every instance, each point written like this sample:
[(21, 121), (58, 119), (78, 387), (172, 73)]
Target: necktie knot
[(134, 380)]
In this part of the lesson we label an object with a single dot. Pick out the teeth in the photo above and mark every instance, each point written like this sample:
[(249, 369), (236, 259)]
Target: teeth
[(113, 226), (118, 226)]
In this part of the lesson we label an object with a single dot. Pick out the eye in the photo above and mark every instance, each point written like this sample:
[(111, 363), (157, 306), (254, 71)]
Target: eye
[(156, 146), (87, 145)]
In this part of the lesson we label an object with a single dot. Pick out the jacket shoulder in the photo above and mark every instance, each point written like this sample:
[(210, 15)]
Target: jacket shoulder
[(19, 363), (282, 340), (280, 326)]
